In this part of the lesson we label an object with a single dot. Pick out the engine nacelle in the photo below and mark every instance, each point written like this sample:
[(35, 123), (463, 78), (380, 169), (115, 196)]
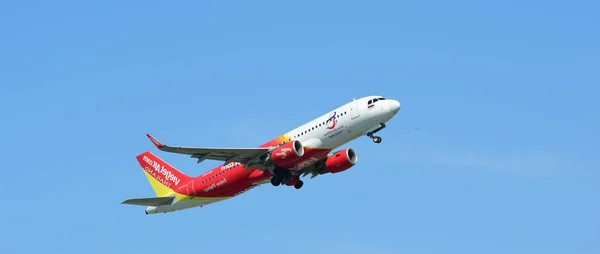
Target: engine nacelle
[(287, 153), (341, 161)]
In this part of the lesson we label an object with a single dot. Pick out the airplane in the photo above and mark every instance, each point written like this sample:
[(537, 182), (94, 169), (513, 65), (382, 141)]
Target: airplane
[(307, 149)]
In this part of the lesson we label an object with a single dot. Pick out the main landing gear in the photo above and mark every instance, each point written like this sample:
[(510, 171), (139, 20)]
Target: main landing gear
[(376, 139), (285, 177), (298, 184), (278, 180)]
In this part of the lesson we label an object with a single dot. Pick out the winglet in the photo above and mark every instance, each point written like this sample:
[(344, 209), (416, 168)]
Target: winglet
[(157, 143)]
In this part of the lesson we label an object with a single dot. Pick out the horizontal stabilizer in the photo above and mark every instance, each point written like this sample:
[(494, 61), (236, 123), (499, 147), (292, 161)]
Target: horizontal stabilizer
[(149, 201)]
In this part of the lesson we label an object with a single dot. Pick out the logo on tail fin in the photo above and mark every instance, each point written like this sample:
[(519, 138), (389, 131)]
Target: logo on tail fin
[(160, 173)]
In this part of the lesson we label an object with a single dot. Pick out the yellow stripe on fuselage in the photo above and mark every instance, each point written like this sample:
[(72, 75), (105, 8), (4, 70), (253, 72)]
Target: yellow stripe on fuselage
[(162, 191)]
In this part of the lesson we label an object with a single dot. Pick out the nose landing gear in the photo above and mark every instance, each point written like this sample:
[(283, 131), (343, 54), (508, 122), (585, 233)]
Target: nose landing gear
[(376, 139)]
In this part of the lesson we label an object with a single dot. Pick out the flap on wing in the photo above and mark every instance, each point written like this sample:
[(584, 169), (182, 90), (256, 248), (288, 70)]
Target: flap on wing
[(149, 201), (212, 153)]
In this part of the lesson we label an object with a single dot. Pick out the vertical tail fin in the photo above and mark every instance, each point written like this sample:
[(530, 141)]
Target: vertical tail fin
[(162, 177)]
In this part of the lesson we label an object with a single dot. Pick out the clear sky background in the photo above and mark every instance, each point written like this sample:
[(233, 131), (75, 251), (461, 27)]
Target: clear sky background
[(504, 95)]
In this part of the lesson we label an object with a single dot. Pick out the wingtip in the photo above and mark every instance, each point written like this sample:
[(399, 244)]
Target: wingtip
[(155, 141)]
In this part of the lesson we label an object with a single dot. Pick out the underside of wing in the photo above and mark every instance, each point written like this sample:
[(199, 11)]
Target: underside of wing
[(225, 154), (212, 153)]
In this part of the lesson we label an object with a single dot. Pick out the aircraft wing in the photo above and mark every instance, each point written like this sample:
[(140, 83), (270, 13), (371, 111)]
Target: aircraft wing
[(228, 155)]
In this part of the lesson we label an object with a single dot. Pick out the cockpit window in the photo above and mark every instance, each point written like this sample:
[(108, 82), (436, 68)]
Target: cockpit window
[(371, 101)]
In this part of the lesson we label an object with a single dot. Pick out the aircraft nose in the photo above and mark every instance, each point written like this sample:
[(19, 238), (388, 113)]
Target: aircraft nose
[(394, 106)]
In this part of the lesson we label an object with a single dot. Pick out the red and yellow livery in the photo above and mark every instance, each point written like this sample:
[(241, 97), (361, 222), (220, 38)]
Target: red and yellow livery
[(304, 150)]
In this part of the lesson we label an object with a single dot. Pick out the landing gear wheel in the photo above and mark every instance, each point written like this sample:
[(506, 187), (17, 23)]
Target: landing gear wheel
[(377, 140), (299, 184), (276, 180)]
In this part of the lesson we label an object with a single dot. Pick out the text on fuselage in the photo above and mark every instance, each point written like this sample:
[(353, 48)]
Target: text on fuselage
[(215, 185)]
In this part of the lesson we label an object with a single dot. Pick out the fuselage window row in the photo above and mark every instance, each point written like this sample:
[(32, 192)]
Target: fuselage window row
[(317, 126)]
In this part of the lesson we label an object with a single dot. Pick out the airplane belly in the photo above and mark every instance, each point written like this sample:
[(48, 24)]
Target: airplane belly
[(311, 156), (312, 143)]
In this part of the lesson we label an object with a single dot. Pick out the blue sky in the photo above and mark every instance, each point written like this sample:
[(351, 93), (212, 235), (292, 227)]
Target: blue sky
[(504, 160)]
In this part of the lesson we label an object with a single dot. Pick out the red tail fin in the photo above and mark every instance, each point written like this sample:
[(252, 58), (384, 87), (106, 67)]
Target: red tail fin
[(162, 176)]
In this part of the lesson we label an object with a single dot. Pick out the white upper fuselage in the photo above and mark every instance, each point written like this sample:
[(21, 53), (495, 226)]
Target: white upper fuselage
[(345, 123)]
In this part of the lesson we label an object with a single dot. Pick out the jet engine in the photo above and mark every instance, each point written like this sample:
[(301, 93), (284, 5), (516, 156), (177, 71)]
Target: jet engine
[(287, 153), (341, 160)]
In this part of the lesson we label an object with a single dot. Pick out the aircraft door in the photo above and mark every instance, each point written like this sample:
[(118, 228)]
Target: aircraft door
[(354, 110)]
